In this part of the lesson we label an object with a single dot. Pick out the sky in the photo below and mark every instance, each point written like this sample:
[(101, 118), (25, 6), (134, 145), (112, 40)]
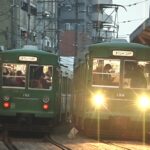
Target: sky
[(137, 12)]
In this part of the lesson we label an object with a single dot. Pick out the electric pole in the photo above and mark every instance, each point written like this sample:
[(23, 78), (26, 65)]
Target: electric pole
[(29, 15)]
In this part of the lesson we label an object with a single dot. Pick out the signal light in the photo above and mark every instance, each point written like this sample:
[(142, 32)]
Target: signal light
[(45, 106), (6, 105)]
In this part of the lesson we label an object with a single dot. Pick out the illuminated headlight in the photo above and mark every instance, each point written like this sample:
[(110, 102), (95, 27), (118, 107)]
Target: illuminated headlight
[(46, 99), (98, 100), (144, 102)]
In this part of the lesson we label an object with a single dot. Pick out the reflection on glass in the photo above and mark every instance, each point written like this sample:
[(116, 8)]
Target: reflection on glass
[(106, 72), (40, 76), (14, 75)]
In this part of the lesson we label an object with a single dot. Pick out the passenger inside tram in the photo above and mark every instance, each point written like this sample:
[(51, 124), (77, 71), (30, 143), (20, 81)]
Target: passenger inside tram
[(14, 75), (136, 74), (107, 78), (41, 77), (19, 79), (138, 79), (106, 72)]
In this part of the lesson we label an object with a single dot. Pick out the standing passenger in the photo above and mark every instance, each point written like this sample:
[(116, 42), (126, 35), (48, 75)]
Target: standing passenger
[(138, 79), (107, 76)]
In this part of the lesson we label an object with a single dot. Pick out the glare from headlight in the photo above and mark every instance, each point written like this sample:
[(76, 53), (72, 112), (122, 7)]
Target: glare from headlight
[(144, 102), (98, 100)]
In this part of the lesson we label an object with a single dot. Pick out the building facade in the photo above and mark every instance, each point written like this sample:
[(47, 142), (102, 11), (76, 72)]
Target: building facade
[(80, 23), (28, 22), (46, 25)]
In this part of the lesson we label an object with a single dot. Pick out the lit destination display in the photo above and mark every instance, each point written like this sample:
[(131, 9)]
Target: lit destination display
[(122, 53), (27, 58)]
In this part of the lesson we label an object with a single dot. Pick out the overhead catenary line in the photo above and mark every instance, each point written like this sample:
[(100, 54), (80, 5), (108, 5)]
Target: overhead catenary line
[(133, 4), (126, 21)]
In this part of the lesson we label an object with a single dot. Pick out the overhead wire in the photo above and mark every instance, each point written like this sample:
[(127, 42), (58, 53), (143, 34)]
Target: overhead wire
[(133, 20), (127, 21), (133, 4)]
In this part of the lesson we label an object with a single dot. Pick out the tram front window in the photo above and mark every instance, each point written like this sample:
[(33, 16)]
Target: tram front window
[(106, 72), (13, 75), (136, 74), (40, 77)]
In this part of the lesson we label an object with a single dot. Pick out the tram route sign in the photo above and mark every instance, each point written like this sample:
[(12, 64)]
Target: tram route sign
[(122, 53), (27, 58)]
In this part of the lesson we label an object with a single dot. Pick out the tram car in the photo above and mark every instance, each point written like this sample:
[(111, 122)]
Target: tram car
[(112, 91), (29, 89)]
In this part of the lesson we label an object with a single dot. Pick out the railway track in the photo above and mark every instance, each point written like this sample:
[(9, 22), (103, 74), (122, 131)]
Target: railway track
[(116, 145), (48, 142), (52, 141), (13, 143), (127, 145), (7, 141)]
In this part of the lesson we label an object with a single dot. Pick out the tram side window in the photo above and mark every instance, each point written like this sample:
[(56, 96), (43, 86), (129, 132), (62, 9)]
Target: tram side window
[(106, 72), (40, 77), (136, 74), (14, 75)]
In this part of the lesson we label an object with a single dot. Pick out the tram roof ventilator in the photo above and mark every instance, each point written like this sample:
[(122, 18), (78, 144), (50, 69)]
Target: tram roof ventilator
[(30, 47), (119, 41)]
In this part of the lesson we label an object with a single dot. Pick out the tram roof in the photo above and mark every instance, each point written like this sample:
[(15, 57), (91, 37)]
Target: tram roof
[(43, 56), (118, 45), (105, 49), (29, 51)]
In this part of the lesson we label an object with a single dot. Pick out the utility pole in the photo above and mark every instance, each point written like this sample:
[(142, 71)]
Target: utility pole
[(12, 25), (29, 15), (76, 28), (47, 24)]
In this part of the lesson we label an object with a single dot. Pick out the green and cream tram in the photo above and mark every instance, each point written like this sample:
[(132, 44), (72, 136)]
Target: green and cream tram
[(112, 91), (29, 89)]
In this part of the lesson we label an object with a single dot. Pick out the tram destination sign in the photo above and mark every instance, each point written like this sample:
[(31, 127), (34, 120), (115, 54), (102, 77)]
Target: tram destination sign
[(27, 58), (122, 53)]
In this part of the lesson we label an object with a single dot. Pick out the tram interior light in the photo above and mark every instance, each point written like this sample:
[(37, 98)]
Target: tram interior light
[(144, 102), (98, 100)]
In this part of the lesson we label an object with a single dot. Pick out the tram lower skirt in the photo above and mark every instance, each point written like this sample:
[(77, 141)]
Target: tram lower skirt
[(110, 129)]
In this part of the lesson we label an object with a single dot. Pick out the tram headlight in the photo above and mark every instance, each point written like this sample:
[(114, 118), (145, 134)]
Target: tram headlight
[(98, 100), (144, 102)]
